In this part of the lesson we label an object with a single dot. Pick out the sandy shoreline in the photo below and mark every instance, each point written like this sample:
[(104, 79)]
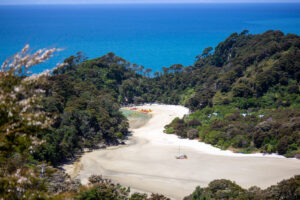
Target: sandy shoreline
[(147, 163)]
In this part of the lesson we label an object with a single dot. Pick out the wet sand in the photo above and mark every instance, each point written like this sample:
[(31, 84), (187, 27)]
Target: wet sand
[(147, 162), (136, 119)]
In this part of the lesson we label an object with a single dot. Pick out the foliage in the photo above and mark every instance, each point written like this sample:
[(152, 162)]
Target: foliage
[(248, 80), (104, 189), (84, 96), (225, 189), (21, 120)]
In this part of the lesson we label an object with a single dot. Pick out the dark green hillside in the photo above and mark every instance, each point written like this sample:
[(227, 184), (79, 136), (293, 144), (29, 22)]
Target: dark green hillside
[(245, 94), (84, 95), (242, 66)]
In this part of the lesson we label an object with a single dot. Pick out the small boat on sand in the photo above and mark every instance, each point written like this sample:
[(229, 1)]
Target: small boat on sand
[(181, 156)]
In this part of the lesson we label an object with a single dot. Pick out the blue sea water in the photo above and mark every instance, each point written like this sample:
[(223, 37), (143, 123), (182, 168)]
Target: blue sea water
[(150, 35)]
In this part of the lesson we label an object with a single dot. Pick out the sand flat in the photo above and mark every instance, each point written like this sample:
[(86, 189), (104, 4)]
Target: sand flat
[(147, 163)]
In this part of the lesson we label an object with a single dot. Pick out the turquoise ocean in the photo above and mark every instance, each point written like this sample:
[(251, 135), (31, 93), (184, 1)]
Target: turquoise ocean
[(150, 35)]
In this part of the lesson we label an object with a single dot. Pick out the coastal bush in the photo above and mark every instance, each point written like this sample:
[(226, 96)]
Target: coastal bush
[(272, 132), (87, 113), (21, 120), (104, 189), (225, 189), (253, 76)]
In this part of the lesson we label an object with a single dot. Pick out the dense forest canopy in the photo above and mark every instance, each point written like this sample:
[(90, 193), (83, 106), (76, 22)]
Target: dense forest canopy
[(84, 96), (243, 94)]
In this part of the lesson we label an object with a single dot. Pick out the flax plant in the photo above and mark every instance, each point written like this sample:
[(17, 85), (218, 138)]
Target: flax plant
[(21, 118), (19, 98)]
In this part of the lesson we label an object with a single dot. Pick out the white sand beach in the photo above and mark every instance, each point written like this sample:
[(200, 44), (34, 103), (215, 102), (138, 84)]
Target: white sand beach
[(147, 162)]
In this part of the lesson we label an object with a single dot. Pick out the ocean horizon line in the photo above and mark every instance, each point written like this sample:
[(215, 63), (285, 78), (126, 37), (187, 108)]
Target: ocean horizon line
[(147, 3)]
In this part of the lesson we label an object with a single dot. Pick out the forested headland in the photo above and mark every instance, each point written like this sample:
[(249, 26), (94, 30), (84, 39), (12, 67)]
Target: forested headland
[(243, 94)]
